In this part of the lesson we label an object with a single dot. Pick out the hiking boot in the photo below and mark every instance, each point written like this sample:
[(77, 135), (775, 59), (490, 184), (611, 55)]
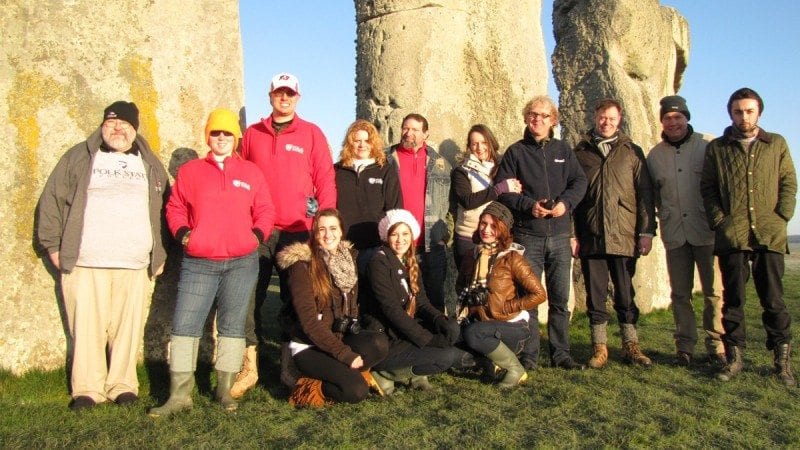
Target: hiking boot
[(599, 357), (683, 359), (247, 378), (717, 359), (782, 369), (734, 363), (632, 354)]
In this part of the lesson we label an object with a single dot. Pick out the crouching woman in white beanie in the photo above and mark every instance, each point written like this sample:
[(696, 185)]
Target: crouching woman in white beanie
[(421, 338)]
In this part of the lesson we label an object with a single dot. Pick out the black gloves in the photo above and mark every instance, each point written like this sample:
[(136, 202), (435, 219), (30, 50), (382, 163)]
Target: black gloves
[(447, 328)]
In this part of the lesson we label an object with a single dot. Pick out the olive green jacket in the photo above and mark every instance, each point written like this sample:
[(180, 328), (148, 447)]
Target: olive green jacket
[(749, 193)]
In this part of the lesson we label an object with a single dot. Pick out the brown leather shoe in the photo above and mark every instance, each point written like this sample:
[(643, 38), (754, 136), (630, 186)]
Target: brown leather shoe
[(600, 356), (683, 359), (632, 354)]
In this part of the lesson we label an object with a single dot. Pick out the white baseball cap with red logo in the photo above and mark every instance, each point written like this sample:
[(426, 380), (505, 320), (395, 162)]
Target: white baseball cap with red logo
[(286, 80)]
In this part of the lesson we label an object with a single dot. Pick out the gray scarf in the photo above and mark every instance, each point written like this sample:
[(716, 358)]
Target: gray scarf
[(341, 267)]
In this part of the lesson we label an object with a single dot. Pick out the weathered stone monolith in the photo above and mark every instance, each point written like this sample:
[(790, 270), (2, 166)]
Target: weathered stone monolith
[(457, 63), (63, 62), (634, 51)]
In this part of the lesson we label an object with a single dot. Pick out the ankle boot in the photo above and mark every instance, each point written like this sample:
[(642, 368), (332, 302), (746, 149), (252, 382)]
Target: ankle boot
[(247, 377), (384, 380), (506, 359), (180, 395), (632, 354), (599, 357), (782, 369), (407, 376), (307, 392), (734, 365), (224, 383)]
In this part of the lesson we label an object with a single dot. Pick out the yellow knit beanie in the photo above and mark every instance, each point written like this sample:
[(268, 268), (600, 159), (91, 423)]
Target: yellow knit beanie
[(224, 120)]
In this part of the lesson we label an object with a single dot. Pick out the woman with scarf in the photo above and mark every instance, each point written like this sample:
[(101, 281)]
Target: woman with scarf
[(471, 186), (328, 346), (421, 338), (495, 314)]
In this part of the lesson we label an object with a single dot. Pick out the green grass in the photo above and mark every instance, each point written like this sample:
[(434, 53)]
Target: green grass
[(619, 406)]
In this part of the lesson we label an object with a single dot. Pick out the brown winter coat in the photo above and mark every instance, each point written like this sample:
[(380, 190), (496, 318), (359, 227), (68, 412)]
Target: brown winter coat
[(313, 324), (509, 271)]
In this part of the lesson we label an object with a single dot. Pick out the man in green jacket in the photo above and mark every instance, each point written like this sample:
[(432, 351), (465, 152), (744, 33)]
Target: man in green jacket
[(749, 188)]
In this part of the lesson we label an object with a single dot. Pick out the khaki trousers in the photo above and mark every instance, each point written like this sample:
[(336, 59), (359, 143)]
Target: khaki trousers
[(106, 311), (681, 263)]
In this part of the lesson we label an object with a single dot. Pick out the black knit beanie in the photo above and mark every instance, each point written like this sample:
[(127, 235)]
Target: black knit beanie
[(674, 103), (123, 110)]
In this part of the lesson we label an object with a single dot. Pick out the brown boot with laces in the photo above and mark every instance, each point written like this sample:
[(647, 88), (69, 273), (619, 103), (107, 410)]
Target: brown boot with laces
[(632, 354), (600, 356)]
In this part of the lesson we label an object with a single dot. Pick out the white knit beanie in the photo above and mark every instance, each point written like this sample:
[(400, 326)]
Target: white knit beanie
[(394, 216)]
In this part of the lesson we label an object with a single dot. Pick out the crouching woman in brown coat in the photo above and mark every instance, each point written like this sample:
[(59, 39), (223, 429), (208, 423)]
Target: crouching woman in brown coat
[(327, 345), (496, 316)]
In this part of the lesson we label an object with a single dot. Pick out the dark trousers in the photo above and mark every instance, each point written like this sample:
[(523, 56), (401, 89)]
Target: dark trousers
[(433, 265), (423, 361), (551, 256), (767, 268), (596, 272), (340, 383), (255, 325), (485, 336)]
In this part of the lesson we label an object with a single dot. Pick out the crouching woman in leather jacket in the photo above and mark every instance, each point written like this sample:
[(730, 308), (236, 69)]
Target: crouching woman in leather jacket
[(328, 347), (421, 338), (497, 316)]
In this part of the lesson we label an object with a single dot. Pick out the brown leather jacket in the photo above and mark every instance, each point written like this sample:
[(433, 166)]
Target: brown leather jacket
[(510, 270)]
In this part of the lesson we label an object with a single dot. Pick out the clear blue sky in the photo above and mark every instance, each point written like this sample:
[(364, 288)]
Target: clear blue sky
[(734, 43)]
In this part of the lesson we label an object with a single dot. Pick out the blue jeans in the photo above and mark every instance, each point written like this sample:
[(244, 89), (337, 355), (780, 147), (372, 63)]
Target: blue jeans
[(552, 256), (485, 336), (230, 282)]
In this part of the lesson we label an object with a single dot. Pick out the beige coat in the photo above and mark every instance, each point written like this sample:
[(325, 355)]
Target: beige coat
[(676, 176)]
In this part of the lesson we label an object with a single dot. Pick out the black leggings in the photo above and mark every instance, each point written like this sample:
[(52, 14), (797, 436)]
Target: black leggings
[(340, 383), (423, 361)]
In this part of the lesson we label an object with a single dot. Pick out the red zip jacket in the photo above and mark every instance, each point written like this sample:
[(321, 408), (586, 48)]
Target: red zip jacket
[(297, 165), (227, 211)]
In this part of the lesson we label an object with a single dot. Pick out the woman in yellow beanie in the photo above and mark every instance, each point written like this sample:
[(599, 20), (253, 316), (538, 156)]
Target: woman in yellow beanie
[(220, 210)]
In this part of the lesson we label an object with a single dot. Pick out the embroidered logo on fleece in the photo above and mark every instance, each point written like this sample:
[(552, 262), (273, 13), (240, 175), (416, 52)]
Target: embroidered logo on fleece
[(241, 184), (373, 180), (559, 160), (294, 148)]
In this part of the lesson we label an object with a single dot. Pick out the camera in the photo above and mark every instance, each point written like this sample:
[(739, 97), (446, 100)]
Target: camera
[(474, 296), (547, 203), (346, 325)]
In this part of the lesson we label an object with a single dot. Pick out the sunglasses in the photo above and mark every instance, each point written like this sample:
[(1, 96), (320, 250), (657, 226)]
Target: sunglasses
[(217, 133)]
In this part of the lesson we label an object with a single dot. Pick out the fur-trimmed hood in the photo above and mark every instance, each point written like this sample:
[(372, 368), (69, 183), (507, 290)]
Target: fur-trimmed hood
[(301, 251)]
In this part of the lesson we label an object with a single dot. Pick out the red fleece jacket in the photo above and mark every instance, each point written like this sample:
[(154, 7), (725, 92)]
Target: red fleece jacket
[(228, 211)]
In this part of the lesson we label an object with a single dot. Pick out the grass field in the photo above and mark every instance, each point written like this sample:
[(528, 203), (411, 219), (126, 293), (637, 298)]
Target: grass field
[(619, 406)]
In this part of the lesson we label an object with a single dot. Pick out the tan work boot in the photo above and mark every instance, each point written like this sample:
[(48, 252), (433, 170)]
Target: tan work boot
[(599, 357), (632, 354), (247, 377)]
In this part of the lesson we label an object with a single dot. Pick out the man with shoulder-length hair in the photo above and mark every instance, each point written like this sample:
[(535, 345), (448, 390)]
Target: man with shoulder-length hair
[(675, 164), (749, 189), (553, 183), (614, 225)]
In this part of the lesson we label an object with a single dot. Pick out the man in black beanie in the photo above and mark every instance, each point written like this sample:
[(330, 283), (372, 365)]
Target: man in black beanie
[(749, 189), (99, 222), (675, 164)]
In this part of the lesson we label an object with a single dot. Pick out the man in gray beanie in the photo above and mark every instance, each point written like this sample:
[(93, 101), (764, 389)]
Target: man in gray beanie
[(675, 164)]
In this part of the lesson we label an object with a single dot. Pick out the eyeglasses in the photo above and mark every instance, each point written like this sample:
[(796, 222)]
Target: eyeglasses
[(217, 133), (535, 115), (114, 123)]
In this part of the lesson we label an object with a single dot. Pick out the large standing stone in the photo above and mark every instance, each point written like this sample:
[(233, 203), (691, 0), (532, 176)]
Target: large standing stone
[(455, 62), (634, 51), (64, 61)]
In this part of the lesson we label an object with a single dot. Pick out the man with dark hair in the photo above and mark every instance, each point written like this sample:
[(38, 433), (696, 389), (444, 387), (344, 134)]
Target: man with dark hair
[(749, 190), (553, 183), (675, 164), (614, 225), (297, 163), (425, 186), (99, 220)]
